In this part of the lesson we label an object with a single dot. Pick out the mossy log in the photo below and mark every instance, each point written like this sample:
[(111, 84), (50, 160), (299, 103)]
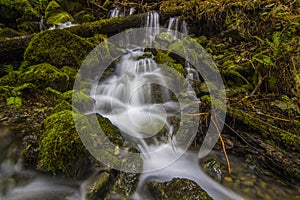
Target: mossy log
[(13, 48), (269, 145), (269, 132)]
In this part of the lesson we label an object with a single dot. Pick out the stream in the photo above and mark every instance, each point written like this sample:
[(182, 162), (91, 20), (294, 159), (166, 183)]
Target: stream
[(141, 110)]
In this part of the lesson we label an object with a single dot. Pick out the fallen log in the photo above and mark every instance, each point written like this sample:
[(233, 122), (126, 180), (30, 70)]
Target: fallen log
[(13, 48), (275, 156)]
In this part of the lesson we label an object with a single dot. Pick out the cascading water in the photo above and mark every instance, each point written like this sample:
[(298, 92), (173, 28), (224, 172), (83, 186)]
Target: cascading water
[(176, 25), (115, 12), (127, 100), (152, 25)]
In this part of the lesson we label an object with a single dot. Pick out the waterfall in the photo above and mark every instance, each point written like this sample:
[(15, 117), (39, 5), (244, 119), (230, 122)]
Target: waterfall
[(62, 25), (131, 11), (128, 99), (115, 12), (174, 27), (152, 25)]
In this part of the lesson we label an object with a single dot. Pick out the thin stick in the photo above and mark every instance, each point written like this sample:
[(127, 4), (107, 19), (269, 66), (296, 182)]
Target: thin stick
[(196, 114), (223, 145)]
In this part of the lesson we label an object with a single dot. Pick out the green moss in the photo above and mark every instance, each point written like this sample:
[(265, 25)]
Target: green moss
[(110, 131), (45, 75), (286, 139), (14, 102), (84, 16), (56, 15), (79, 100), (164, 58), (13, 9), (29, 27), (63, 105), (178, 189), (57, 47), (97, 185), (60, 146), (8, 32)]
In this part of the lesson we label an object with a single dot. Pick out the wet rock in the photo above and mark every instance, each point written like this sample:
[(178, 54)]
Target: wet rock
[(213, 169), (57, 47), (123, 187), (97, 186), (177, 189)]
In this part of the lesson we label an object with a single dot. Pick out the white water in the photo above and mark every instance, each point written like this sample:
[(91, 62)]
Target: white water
[(177, 25), (62, 25)]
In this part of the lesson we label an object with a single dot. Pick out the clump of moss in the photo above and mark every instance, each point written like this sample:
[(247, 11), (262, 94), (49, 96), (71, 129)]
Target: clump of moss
[(45, 75), (57, 47), (18, 8), (79, 100), (56, 15), (164, 58), (63, 105), (60, 146)]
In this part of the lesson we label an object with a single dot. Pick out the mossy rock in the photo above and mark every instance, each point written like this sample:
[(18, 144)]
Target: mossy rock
[(63, 105), (11, 10), (164, 58), (98, 185), (57, 47), (9, 33), (84, 16), (29, 27), (45, 75), (79, 100), (55, 15), (124, 186), (178, 189), (111, 131), (60, 146)]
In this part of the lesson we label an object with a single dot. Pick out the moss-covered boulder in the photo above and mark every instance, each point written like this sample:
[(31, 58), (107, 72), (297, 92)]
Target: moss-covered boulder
[(55, 15), (60, 145), (57, 47), (178, 189), (45, 75)]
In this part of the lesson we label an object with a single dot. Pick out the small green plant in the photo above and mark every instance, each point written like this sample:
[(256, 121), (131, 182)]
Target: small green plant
[(14, 102)]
